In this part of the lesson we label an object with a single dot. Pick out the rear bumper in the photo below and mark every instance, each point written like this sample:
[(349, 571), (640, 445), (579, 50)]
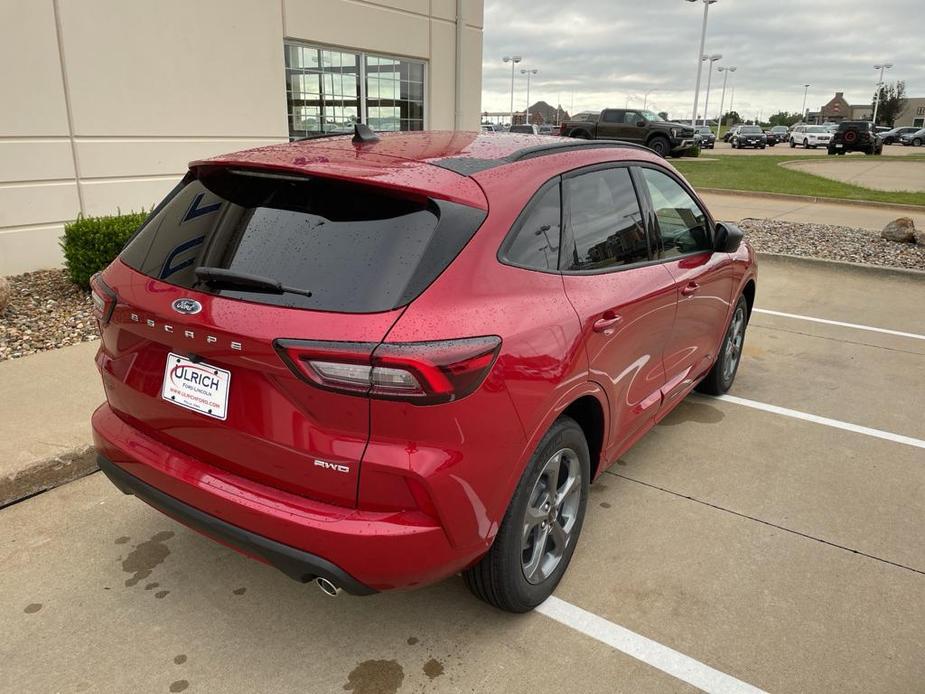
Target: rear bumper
[(298, 565), (362, 551)]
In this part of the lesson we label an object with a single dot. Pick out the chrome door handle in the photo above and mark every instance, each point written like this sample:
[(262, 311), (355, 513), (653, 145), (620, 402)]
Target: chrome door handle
[(604, 324), (691, 288)]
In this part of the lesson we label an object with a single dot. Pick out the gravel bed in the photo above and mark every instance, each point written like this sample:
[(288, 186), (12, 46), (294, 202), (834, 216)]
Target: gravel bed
[(46, 311), (832, 243)]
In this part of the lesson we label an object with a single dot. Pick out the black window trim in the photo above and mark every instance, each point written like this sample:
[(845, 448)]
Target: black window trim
[(564, 236), (522, 217), (653, 219)]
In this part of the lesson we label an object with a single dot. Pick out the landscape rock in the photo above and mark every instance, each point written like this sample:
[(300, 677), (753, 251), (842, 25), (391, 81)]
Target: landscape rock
[(831, 242), (5, 293), (901, 230)]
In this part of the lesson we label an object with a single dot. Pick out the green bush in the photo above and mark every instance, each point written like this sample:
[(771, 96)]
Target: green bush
[(694, 151), (91, 243)]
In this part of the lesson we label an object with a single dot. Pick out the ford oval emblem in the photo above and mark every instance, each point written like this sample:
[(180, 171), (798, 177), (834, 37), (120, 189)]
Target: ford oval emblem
[(187, 306)]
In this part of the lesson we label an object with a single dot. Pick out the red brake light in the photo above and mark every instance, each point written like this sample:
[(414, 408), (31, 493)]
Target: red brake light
[(104, 299), (423, 373)]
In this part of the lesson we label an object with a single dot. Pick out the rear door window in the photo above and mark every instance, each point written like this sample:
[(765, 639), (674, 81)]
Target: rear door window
[(604, 226), (334, 246)]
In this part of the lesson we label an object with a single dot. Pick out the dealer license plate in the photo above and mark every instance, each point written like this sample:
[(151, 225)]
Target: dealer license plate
[(197, 386)]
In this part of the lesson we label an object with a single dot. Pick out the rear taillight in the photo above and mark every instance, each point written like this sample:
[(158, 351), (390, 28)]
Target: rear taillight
[(423, 373), (104, 299)]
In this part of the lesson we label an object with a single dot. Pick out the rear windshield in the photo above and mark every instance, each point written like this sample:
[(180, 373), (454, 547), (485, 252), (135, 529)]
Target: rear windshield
[(353, 248)]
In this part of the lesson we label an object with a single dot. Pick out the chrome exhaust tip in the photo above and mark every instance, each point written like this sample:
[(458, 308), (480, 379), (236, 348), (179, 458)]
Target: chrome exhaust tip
[(327, 587)]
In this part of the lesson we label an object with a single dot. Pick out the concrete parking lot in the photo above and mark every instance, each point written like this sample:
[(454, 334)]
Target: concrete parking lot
[(738, 547)]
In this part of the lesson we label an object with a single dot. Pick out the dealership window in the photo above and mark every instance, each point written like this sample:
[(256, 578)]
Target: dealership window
[(329, 90)]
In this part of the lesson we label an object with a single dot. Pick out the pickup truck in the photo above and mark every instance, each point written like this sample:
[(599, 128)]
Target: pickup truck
[(631, 125)]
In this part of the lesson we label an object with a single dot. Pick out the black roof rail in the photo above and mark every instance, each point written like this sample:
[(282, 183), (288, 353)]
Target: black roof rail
[(559, 147)]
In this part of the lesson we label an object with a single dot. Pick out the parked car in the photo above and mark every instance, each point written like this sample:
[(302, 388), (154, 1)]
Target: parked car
[(629, 125), (914, 139), (749, 136), (855, 136), (729, 133), (525, 129), (489, 128), (377, 362), (776, 134), (810, 136), (705, 137), (549, 130), (893, 135)]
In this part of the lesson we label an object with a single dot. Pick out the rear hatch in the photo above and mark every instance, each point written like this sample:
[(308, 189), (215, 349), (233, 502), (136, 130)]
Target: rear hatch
[(234, 265)]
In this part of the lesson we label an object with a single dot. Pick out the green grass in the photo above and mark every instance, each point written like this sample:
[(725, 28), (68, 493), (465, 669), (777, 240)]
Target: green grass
[(763, 174)]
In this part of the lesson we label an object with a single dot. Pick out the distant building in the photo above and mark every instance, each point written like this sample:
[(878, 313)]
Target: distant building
[(836, 110), (913, 114), (542, 113)]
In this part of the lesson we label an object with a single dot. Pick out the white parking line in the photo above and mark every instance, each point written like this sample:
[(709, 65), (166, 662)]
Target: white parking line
[(856, 326), (835, 423), (641, 648)]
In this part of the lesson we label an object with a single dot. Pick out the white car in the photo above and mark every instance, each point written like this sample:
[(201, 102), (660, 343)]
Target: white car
[(810, 136)]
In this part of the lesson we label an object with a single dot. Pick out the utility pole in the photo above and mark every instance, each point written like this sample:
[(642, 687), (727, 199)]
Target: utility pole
[(528, 73), (725, 71), (703, 38), (803, 111), (706, 102), (884, 66)]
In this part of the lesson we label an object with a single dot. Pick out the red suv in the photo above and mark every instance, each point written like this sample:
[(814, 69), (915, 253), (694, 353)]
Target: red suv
[(374, 362)]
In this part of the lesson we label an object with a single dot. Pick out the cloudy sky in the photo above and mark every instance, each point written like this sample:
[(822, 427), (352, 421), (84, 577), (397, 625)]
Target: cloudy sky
[(596, 53)]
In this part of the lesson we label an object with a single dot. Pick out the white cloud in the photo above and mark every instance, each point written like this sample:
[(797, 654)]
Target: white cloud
[(604, 51)]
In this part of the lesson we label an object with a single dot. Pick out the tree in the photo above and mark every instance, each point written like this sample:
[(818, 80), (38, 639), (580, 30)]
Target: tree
[(731, 118), (785, 118), (892, 102), (663, 115)]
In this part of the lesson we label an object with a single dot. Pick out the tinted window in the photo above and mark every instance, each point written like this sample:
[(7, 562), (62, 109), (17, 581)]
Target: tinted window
[(681, 222), (604, 221), (535, 242), (631, 118), (354, 248), (612, 116)]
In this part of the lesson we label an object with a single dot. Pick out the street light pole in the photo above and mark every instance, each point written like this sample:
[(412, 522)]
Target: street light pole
[(645, 100), (885, 66), (703, 38), (803, 111), (513, 60), (706, 102), (722, 100), (528, 73)]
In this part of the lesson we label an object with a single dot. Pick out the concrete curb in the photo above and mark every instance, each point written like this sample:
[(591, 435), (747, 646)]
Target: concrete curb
[(47, 474), (808, 199), (877, 270)]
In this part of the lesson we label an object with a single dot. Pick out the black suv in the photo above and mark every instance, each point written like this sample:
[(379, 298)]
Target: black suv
[(856, 136), (632, 125)]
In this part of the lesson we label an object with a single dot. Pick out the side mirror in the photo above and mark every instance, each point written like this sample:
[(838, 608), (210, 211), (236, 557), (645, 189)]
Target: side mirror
[(640, 124), (728, 237)]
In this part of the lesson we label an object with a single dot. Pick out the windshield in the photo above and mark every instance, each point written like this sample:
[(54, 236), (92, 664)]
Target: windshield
[(703, 130), (817, 129), (649, 116), (779, 129), (750, 129)]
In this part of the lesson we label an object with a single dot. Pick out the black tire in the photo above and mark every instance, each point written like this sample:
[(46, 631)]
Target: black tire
[(581, 134), (499, 577), (888, 141), (734, 143), (722, 375), (762, 147), (805, 144), (917, 142), (660, 145), (792, 143)]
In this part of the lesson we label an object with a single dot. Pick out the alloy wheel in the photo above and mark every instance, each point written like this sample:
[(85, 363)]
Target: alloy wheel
[(551, 515), (734, 342)]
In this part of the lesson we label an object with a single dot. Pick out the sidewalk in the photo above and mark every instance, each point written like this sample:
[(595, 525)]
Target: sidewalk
[(735, 207), (46, 400)]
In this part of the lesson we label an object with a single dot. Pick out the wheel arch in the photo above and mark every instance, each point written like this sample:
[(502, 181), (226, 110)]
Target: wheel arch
[(588, 412), (748, 291)]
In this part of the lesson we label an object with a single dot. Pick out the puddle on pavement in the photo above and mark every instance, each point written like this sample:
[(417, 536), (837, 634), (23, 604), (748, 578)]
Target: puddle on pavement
[(179, 686), (33, 608), (412, 640), (698, 412), (180, 659), (375, 677), (239, 591), (142, 560)]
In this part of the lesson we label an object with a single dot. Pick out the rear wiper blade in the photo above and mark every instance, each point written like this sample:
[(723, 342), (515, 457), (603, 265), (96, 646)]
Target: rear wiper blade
[(245, 280)]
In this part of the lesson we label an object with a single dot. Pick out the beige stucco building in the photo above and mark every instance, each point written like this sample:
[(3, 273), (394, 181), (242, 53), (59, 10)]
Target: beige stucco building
[(105, 101)]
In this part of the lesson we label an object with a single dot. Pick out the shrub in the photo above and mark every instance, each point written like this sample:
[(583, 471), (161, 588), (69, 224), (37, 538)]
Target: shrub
[(91, 243), (694, 151)]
